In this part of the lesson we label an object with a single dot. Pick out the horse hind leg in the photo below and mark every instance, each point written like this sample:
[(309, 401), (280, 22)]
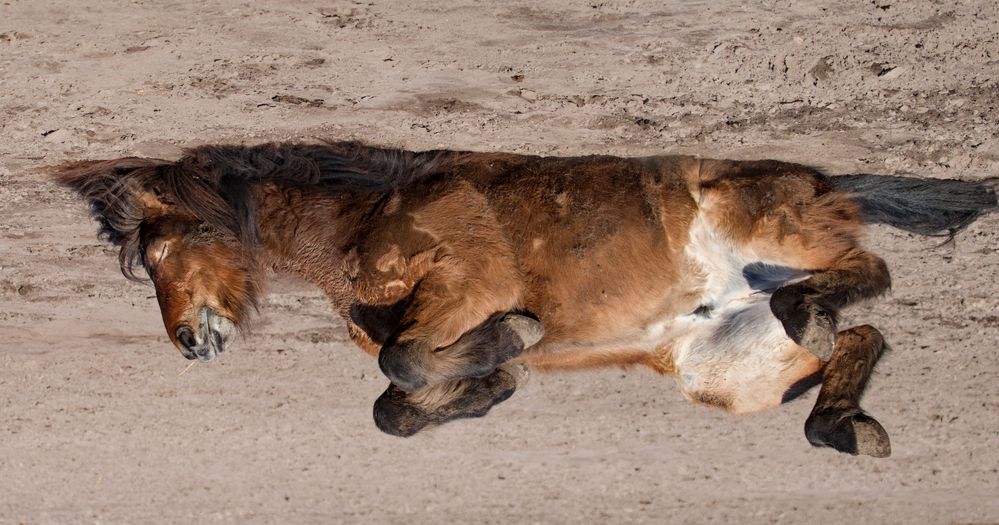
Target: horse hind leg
[(403, 414), (837, 420), (808, 309)]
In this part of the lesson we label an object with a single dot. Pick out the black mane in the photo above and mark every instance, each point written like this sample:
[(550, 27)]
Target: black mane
[(214, 183)]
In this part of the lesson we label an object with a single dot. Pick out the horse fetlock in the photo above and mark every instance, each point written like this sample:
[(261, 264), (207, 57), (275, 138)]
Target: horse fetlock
[(378, 321), (850, 431), (412, 365)]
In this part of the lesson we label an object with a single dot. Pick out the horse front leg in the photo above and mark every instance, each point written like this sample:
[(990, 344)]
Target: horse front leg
[(498, 339), (837, 420), (479, 359), (454, 326), (808, 309), (403, 414), (464, 283), (412, 363)]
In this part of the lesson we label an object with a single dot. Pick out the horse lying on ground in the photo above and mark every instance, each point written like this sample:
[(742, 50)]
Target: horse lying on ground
[(447, 266)]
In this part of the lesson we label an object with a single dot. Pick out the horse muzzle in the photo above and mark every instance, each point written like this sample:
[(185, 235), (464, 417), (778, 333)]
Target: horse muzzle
[(205, 344)]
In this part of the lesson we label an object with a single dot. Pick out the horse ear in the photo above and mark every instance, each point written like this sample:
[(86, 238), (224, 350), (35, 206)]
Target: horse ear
[(151, 201)]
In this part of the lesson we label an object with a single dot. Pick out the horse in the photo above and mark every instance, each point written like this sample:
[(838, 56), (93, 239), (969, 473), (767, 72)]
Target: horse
[(461, 271)]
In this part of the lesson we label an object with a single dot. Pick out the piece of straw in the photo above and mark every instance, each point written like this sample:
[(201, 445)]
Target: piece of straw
[(189, 365)]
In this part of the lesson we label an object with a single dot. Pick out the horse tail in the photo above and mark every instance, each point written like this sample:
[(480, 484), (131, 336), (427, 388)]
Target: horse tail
[(935, 207)]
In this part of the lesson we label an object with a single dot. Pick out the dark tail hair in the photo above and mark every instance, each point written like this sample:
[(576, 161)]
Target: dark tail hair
[(937, 207)]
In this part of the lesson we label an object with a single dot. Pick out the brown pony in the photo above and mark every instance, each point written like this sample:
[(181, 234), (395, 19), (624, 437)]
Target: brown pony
[(725, 275)]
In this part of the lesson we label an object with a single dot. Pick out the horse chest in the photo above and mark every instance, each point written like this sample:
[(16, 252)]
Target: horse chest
[(712, 280)]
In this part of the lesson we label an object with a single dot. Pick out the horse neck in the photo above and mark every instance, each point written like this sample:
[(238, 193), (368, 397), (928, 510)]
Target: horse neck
[(307, 233)]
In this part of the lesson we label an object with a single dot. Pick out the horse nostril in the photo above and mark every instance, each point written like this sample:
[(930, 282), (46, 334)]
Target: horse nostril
[(186, 338), (219, 342)]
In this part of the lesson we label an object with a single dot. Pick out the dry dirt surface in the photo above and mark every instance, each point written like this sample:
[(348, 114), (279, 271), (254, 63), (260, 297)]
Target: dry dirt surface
[(98, 425)]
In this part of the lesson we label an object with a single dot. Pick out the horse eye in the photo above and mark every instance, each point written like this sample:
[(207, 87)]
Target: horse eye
[(164, 249)]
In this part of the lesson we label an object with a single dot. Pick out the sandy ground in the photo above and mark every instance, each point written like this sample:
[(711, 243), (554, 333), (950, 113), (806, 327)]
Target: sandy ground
[(97, 425)]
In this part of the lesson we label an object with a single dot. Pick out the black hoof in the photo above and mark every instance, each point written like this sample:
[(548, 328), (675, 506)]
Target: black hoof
[(397, 362), (403, 414), (396, 417), (848, 431), (497, 341), (808, 324), (477, 353)]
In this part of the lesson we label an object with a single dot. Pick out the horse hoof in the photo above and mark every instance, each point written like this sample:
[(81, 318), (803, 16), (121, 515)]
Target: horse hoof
[(503, 383), (872, 439), (848, 431), (397, 363), (528, 330), (518, 371), (819, 334), (808, 324), (396, 417)]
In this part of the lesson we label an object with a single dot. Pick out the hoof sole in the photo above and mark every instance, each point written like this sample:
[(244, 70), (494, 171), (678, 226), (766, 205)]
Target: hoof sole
[(818, 335), (528, 330)]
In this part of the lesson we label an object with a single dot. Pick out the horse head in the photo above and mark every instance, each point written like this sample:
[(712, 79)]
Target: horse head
[(179, 228)]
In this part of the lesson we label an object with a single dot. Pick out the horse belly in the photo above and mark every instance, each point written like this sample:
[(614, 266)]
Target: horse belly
[(740, 359)]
